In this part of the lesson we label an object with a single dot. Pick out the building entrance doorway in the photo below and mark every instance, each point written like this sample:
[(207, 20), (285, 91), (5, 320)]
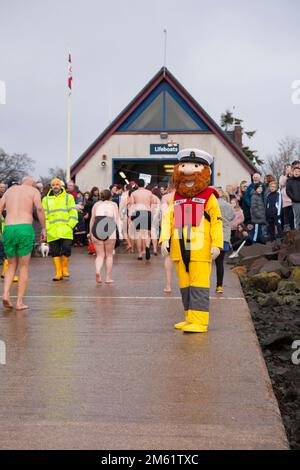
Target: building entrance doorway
[(154, 171)]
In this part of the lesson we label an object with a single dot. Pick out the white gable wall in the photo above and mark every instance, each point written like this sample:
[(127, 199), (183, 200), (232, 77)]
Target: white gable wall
[(227, 168)]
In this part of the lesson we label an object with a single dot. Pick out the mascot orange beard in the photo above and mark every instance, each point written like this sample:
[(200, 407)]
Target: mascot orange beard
[(200, 180)]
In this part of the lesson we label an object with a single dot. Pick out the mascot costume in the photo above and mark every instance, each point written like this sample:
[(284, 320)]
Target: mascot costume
[(192, 232)]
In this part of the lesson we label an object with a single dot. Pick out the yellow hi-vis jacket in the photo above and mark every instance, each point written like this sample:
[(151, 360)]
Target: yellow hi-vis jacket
[(202, 237), (61, 215)]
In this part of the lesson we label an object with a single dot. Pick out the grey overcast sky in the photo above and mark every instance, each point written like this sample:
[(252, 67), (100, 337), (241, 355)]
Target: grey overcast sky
[(226, 53)]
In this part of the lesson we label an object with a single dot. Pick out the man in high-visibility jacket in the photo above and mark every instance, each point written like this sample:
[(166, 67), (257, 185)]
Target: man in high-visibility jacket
[(192, 224), (61, 218)]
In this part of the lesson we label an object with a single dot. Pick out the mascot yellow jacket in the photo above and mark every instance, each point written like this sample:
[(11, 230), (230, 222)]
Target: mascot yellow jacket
[(197, 221)]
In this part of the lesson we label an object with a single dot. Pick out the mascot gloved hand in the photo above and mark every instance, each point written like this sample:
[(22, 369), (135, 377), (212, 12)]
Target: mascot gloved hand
[(215, 251), (193, 224)]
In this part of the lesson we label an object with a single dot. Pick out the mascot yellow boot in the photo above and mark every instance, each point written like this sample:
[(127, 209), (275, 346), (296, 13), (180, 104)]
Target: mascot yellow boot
[(5, 266), (193, 225)]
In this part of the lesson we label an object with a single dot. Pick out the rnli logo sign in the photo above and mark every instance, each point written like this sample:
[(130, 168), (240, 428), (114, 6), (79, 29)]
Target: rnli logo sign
[(164, 149)]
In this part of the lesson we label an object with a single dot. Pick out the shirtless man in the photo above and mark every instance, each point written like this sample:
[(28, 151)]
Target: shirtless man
[(18, 235), (140, 202)]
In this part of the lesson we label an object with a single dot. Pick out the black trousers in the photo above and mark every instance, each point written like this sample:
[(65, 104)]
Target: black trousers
[(220, 268), (288, 217), (61, 247), (272, 223)]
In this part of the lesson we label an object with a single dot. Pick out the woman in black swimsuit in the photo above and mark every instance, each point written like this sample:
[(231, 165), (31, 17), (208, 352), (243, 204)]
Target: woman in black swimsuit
[(104, 221)]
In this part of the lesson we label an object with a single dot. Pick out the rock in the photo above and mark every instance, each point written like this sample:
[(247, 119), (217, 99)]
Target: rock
[(283, 253), (255, 250), (295, 275), (256, 265), (269, 300), (232, 261), (287, 287), (274, 267), (277, 341), (241, 271), (290, 300), (249, 260), (297, 244), (294, 259), (266, 282)]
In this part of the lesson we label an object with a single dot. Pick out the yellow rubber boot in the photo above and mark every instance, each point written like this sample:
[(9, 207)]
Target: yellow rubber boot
[(5, 266), (182, 324), (57, 264), (65, 266), (16, 278), (199, 322)]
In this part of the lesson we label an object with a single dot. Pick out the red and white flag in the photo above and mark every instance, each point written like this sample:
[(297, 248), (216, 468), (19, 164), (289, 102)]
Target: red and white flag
[(70, 78)]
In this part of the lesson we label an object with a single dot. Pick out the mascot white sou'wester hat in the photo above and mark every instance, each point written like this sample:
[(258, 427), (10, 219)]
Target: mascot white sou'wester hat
[(194, 156)]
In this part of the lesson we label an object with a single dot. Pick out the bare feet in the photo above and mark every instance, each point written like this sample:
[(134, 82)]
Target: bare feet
[(167, 290), (21, 306), (109, 281), (98, 278), (7, 303)]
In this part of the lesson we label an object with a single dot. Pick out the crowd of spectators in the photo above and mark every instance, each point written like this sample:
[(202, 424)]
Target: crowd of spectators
[(263, 208)]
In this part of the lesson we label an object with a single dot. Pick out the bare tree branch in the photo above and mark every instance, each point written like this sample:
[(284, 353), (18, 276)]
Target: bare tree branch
[(288, 151), (15, 166)]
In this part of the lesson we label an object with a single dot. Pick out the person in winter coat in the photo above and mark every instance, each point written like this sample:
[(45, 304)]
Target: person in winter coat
[(61, 219), (228, 215), (247, 195), (88, 206), (258, 215), (288, 216), (267, 180), (242, 203), (80, 230), (273, 211), (238, 215), (293, 192), (240, 235)]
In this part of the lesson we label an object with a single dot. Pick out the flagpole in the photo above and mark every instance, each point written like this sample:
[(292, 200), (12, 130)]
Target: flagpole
[(69, 137), (165, 50), (69, 106)]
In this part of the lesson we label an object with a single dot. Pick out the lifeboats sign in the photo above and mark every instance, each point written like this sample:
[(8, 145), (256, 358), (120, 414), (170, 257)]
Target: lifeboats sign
[(164, 149)]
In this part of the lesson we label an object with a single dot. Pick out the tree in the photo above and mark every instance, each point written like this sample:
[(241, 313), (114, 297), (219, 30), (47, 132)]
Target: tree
[(15, 166), (287, 152), (250, 154), (250, 134), (229, 123), (54, 173), (227, 119)]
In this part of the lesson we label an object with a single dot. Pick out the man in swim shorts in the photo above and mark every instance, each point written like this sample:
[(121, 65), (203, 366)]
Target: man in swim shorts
[(141, 201), (18, 235)]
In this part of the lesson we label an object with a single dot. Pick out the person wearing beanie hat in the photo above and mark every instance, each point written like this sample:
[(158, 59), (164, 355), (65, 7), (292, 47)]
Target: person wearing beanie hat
[(61, 218), (192, 230)]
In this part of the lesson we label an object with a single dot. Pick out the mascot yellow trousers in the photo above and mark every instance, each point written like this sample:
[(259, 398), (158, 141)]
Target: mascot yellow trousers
[(194, 288)]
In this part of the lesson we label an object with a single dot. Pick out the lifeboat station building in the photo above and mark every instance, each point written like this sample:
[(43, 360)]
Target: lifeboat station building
[(143, 140)]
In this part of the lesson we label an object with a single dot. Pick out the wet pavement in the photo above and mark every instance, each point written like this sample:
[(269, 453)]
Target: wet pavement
[(101, 367)]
